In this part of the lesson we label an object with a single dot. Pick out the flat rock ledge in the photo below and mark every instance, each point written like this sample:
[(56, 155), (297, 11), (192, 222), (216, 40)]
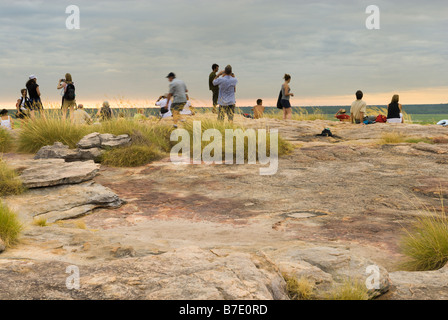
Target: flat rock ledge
[(188, 273), (55, 172), (63, 202)]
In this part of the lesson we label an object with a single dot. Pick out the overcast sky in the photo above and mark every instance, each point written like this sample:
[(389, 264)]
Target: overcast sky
[(126, 48)]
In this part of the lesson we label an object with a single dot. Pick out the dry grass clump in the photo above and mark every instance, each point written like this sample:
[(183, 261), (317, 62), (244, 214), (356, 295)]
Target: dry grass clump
[(10, 227), (350, 290), (241, 134), (426, 243), (6, 141), (10, 183), (40, 222), (299, 289), (132, 156), (299, 114), (393, 138)]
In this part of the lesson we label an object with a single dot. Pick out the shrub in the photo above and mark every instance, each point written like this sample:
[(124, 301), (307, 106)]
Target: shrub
[(284, 147), (6, 141), (132, 156), (10, 183), (10, 227), (44, 131), (426, 244), (301, 289), (350, 290), (392, 138)]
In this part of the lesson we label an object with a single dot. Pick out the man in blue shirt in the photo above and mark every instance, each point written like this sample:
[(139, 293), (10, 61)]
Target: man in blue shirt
[(226, 82)]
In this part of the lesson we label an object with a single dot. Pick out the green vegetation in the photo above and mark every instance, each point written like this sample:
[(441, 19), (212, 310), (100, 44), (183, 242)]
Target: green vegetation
[(6, 141), (44, 131), (40, 222), (426, 243), (132, 156), (284, 147), (302, 289), (10, 183), (10, 227), (299, 114), (350, 290)]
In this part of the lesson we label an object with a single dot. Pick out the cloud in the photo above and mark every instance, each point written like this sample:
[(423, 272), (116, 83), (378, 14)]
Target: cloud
[(126, 48)]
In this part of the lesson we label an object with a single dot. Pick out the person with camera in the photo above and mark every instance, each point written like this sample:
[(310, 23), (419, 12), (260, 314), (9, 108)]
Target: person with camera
[(68, 98)]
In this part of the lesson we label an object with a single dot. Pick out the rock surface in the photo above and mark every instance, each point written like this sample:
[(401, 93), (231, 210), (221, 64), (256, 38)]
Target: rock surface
[(429, 285), (185, 274), (56, 151), (47, 173), (63, 202), (96, 140)]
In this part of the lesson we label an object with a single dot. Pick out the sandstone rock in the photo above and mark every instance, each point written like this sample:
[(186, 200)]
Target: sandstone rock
[(429, 285), (63, 202), (56, 151), (47, 173), (324, 265), (92, 140), (111, 141), (185, 274), (89, 154), (430, 148)]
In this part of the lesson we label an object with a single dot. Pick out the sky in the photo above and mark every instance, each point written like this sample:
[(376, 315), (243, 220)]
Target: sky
[(124, 49)]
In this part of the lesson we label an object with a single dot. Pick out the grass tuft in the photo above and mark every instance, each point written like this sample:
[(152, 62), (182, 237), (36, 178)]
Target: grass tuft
[(299, 289), (350, 290), (10, 227), (40, 222), (10, 183), (426, 244), (132, 156), (6, 141)]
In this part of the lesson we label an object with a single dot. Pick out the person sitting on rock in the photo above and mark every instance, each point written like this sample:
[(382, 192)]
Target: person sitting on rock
[(258, 109), (80, 116), (358, 109), (6, 121), (342, 115)]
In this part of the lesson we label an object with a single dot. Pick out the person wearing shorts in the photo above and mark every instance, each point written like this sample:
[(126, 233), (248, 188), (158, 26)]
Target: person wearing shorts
[(286, 95), (178, 91), (226, 82)]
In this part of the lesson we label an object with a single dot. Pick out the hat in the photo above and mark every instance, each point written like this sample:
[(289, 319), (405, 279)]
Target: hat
[(343, 111), (171, 75), (32, 77)]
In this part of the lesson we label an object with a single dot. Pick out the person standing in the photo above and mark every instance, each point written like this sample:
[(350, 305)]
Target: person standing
[(358, 109), (214, 89), (68, 99), (286, 95), (178, 91), (226, 81), (395, 111), (34, 93)]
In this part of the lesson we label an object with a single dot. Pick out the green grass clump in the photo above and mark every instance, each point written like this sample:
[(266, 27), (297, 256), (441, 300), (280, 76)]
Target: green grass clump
[(10, 183), (350, 290), (393, 138), (426, 244), (45, 131), (132, 156), (299, 289), (10, 227), (6, 141), (284, 147)]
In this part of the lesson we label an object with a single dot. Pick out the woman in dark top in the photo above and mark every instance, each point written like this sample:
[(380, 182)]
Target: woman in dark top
[(34, 93), (286, 95), (395, 111)]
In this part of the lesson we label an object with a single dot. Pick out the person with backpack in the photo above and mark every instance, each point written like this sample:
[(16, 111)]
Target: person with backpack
[(23, 105), (68, 99)]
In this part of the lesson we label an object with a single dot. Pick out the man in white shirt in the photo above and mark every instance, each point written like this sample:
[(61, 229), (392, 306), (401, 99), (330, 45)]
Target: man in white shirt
[(165, 107), (226, 82), (358, 109)]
